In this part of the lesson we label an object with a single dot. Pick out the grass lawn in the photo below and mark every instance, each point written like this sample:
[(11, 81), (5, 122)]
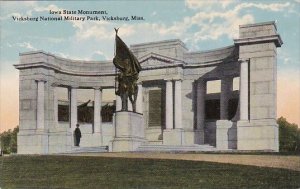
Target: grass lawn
[(106, 172)]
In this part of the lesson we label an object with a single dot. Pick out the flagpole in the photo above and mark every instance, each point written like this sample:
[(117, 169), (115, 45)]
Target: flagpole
[(115, 56), (115, 67)]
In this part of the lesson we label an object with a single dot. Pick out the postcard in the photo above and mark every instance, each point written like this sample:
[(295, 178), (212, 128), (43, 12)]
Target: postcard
[(125, 83)]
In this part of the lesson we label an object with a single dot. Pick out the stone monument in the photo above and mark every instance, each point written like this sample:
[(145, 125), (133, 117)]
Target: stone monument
[(170, 105), (129, 132)]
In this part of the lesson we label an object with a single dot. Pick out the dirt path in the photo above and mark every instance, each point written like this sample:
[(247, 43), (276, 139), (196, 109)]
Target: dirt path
[(275, 161)]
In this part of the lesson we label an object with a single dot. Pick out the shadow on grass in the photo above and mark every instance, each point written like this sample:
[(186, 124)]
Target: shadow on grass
[(101, 172)]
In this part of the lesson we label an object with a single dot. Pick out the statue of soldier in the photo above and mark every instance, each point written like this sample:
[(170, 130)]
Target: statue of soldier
[(129, 68)]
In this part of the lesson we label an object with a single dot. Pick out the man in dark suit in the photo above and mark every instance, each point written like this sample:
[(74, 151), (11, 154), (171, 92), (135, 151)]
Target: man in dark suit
[(77, 135)]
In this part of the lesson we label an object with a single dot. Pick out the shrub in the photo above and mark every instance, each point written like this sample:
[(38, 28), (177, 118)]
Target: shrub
[(9, 141), (289, 136)]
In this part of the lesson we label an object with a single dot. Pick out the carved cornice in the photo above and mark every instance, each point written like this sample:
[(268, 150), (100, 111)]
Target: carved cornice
[(60, 70), (161, 58), (261, 39), (41, 80), (40, 59)]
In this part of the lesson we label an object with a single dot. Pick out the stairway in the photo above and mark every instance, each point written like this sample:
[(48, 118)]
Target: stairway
[(176, 148), (88, 149), (149, 148)]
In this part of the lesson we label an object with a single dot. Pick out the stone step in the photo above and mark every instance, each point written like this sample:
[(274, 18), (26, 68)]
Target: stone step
[(170, 148), (89, 149)]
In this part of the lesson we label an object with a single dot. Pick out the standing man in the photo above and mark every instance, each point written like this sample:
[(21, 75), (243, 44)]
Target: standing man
[(77, 135)]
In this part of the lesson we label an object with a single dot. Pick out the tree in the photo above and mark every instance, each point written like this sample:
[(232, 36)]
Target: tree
[(9, 140), (289, 136)]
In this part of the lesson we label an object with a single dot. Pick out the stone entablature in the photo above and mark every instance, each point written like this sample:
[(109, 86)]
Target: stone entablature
[(67, 66), (148, 61), (180, 78)]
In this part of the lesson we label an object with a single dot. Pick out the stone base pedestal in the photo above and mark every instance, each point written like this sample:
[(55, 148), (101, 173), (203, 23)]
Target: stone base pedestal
[(199, 136), (90, 140), (258, 135), (192, 137), (222, 134), (33, 142), (60, 140), (129, 132), (173, 137)]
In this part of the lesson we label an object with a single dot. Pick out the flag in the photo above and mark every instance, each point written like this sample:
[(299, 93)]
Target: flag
[(125, 59)]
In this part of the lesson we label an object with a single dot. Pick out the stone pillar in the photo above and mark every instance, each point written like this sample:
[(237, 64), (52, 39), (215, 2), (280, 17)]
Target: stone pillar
[(223, 139), (257, 129), (244, 89), (118, 103), (178, 105), (169, 105), (97, 110), (55, 104), (226, 85), (173, 136), (73, 109), (201, 91), (40, 104), (139, 101)]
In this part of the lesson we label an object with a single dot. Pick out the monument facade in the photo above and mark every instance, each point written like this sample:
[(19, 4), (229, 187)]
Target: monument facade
[(178, 111)]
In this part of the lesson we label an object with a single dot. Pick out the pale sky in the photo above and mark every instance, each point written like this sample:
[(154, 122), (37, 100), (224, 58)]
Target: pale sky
[(201, 25)]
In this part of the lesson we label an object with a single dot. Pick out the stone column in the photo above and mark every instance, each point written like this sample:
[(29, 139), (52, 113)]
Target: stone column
[(40, 104), (201, 91), (244, 84), (55, 104), (139, 101), (97, 110), (178, 105), (169, 105), (73, 108), (226, 84), (173, 136)]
